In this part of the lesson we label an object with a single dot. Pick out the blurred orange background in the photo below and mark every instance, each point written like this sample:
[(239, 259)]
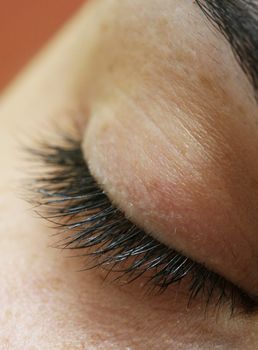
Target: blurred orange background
[(24, 27)]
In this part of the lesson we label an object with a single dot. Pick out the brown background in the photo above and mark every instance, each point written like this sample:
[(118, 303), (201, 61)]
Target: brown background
[(24, 27)]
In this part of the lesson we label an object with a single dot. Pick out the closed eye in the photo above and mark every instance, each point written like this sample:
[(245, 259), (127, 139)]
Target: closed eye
[(86, 220)]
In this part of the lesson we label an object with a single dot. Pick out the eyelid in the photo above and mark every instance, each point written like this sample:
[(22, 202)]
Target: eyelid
[(76, 204), (194, 200)]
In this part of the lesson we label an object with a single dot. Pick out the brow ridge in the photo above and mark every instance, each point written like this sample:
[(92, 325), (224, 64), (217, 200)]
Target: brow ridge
[(237, 21)]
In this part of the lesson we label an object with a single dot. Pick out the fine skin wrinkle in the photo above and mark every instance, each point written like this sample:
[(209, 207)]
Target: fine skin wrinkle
[(158, 82), (174, 143)]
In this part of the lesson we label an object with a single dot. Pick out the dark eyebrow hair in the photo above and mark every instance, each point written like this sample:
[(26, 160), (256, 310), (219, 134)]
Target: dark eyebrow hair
[(237, 20)]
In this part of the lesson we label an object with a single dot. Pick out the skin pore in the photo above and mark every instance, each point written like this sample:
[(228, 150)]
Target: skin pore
[(171, 133)]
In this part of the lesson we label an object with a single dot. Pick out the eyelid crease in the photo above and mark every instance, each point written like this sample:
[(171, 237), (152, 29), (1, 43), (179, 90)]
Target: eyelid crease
[(70, 198)]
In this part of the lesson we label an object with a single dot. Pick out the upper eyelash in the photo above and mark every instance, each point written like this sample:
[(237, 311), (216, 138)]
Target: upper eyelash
[(77, 205)]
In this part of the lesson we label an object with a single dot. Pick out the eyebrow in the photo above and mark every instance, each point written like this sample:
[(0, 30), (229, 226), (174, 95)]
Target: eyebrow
[(237, 20)]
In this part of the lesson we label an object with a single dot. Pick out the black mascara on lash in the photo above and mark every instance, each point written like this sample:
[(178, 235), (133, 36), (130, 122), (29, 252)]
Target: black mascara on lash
[(86, 219)]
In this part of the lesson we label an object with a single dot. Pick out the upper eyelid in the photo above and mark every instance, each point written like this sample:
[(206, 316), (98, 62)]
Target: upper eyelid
[(65, 161)]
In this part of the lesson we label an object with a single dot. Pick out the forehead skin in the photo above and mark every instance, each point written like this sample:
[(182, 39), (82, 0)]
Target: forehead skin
[(44, 302)]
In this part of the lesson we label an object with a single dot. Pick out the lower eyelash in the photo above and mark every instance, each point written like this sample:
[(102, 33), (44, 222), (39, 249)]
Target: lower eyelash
[(71, 199)]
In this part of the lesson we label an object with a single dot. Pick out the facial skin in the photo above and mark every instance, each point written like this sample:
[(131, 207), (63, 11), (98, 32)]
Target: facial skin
[(190, 143), (171, 133)]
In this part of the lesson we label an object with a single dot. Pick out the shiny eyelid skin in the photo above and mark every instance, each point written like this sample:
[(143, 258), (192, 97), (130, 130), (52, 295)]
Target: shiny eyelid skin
[(70, 198)]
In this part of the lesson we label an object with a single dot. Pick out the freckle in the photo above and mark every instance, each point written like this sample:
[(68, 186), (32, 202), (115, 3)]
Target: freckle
[(206, 83)]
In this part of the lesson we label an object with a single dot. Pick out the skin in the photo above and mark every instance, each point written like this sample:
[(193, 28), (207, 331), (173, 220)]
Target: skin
[(129, 73)]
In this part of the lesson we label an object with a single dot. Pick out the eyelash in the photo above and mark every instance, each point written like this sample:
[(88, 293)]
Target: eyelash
[(70, 198)]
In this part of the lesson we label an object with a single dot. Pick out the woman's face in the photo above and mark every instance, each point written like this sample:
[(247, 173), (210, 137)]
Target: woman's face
[(163, 93)]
